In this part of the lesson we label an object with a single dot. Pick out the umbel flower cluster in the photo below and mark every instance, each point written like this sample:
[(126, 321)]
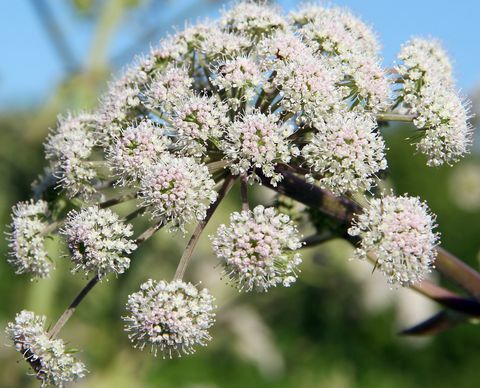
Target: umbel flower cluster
[(258, 97), (52, 363)]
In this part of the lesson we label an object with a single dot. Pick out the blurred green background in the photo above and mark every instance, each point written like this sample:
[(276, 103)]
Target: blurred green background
[(336, 327)]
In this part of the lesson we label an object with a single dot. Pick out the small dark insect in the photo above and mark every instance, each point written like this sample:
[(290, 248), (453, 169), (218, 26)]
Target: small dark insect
[(221, 70), (279, 56)]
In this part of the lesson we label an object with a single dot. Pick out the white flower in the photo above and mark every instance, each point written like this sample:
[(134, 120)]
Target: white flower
[(69, 148), (179, 47), (425, 62), (428, 92), (349, 46), (171, 317), (282, 46), (27, 239), (168, 87), (307, 84), (177, 189), (257, 141), (398, 233), (369, 84), (197, 120), (254, 20), (138, 147), (346, 151), (98, 241), (220, 44), (336, 31), (52, 363), (257, 249), (239, 76), (119, 107), (444, 118)]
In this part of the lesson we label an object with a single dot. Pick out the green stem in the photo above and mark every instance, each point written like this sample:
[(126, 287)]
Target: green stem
[(244, 192), (395, 117), (89, 286), (187, 253)]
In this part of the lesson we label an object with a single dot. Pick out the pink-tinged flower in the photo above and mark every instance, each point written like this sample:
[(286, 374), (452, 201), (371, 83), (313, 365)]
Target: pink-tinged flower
[(98, 241), (397, 232), (171, 317), (136, 148), (346, 152), (257, 249), (51, 361), (177, 190), (27, 239), (258, 141), (69, 148)]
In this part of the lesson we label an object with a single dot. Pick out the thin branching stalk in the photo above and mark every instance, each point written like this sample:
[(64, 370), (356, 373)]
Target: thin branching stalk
[(72, 308), (244, 192), (395, 117), (187, 253), (89, 286), (116, 201)]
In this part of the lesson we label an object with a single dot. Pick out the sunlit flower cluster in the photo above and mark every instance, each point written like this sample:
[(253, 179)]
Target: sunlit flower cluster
[(98, 241), (51, 361), (27, 239), (257, 141), (177, 190), (198, 120), (295, 102), (428, 90), (172, 318), (397, 233), (137, 147), (350, 45), (346, 152), (257, 249), (69, 148)]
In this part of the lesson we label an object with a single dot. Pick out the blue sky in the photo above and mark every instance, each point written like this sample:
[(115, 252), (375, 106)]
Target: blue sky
[(29, 66)]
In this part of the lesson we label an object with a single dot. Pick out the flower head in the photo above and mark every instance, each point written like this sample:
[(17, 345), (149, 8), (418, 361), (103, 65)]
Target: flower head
[(69, 148), (138, 147), (252, 19), (98, 241), (27, 239), (52, 363), (424, 62), (220, 44), (443, 117), (237, 74), (283, 46), (171, 317), (197, 120), (257, 141), (179, 47), (119, 107), (168, 87), (346, 152), (398, 233), (336, 31), (307, 85), (257, 249), (177, 189)]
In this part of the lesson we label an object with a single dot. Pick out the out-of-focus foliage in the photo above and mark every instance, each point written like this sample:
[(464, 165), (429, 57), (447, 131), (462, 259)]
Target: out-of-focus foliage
[(336, 327)]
